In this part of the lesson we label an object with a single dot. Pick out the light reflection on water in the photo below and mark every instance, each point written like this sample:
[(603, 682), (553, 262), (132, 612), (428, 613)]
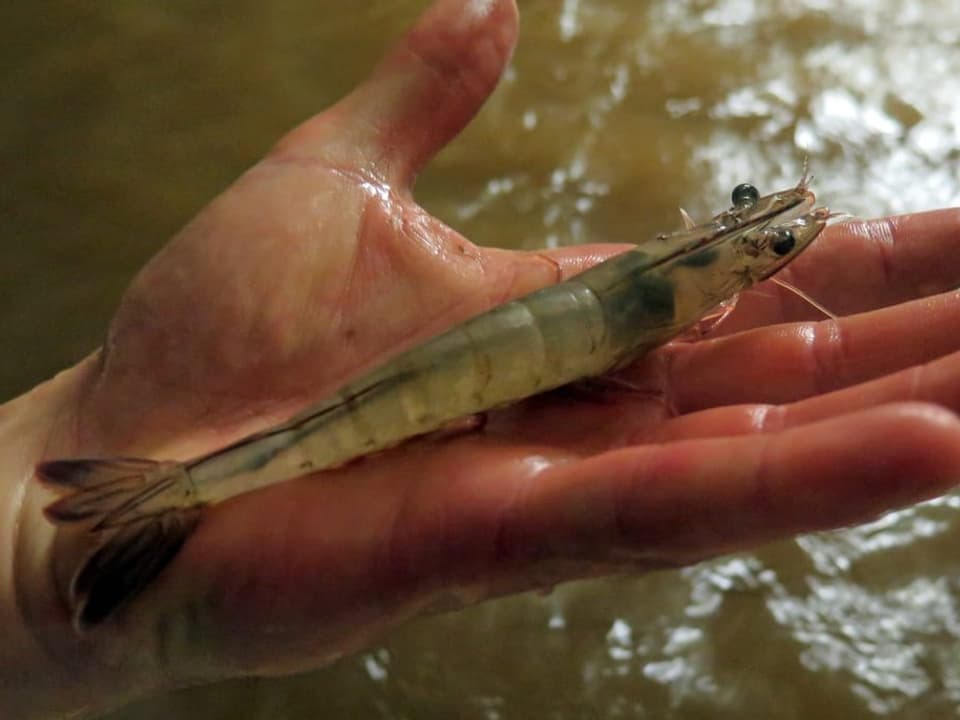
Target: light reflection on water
[(867, 90), (613, 113)]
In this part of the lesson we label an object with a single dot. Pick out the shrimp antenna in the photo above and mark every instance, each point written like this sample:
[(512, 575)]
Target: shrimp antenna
[(803, 296), (842, 216), (806, 178)]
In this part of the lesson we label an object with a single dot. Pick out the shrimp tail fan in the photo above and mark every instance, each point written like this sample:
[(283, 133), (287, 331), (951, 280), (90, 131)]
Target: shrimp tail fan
[(139, 512)]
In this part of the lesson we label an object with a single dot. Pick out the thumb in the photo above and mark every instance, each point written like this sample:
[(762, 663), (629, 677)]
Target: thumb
[(424, 91)]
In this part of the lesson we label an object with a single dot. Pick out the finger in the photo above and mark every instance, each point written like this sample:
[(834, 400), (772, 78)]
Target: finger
[(937, 382), (682, 502), (421, 94), (306, 570), (787, 363), (859, 266), (863, 265)]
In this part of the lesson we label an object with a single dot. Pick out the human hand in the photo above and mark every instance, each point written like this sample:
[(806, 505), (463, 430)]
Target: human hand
[(317, 263)]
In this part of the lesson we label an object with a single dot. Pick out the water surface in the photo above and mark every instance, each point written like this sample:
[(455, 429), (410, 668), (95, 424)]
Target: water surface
[(119, 121)]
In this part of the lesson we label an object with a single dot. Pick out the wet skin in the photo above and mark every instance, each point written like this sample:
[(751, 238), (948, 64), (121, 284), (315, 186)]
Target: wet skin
[(316, 264)]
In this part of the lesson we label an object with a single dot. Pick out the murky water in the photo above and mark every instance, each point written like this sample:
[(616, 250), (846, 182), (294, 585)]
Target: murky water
[(119, 121)]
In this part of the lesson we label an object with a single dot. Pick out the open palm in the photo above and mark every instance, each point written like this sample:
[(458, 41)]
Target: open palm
[(318, 264)]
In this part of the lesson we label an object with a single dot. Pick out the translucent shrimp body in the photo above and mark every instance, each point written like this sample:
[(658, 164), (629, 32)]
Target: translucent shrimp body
[(142, 511)]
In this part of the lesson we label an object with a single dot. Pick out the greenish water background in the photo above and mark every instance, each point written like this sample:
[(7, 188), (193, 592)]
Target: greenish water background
[(119, 121)]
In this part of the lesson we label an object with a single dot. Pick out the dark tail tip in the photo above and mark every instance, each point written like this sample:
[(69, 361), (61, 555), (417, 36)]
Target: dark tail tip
[(138, 517), (88, 473), (127, 562)]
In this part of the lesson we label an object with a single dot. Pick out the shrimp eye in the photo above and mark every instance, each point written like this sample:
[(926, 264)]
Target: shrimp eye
[(745, 195), (783, 241)]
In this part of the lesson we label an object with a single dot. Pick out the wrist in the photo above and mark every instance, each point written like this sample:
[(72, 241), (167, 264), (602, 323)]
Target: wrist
[(46, 670)]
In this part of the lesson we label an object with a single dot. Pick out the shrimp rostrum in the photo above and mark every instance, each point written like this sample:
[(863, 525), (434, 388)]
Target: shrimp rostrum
[(138, 513)]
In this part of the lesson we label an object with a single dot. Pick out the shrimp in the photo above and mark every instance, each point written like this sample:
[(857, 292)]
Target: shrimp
[(139, 512)]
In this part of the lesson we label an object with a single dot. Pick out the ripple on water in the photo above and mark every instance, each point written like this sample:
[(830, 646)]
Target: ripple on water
[(613, 113)]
